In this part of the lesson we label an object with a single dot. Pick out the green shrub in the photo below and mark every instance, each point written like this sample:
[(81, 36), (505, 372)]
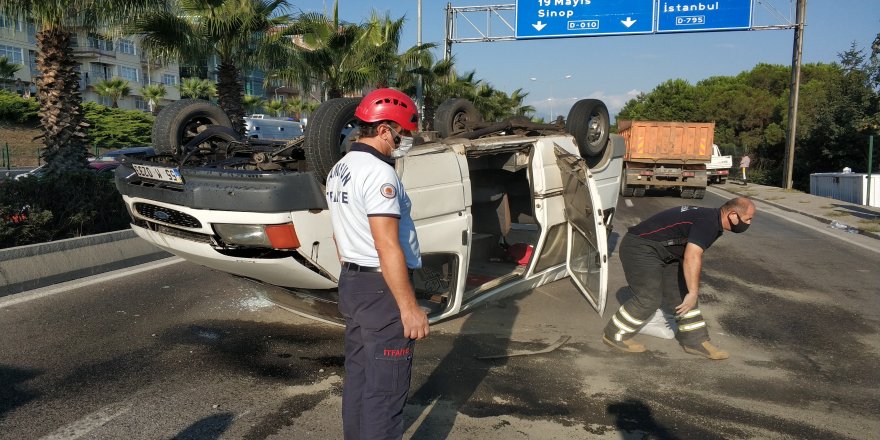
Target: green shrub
[(117, 128), (67, 206), (17, 110)]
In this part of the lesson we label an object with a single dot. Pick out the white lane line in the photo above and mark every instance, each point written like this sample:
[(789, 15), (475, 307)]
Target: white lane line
[(89, 423), (31, 295), (786, 215), (628, 203)]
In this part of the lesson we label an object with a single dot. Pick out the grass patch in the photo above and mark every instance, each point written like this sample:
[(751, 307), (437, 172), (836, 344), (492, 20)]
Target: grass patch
[(870, 225), (774, 198)]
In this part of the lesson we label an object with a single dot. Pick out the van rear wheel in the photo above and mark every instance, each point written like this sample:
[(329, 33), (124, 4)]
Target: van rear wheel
[(329, 134), (180, 122), (589, 123)]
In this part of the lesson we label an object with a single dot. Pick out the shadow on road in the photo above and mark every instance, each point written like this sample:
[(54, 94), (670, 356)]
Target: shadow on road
[(11, 395), (209, 428), (455, 380), (634, 421)]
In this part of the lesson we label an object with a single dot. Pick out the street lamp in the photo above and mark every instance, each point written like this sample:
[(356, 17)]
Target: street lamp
[(550, 99)]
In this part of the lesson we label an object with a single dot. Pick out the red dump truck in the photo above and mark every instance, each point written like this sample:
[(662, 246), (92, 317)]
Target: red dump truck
[(666, 155)]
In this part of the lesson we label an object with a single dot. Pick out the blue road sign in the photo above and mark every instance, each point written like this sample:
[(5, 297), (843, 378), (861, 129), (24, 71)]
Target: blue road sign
[(712, 15), (580, 18)]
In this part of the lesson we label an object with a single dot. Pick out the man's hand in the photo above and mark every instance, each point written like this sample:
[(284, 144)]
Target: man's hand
[(415, 323), (688, 303)]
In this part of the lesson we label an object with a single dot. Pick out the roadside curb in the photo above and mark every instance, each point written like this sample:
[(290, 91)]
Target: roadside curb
[(825, 220), (39, 265)]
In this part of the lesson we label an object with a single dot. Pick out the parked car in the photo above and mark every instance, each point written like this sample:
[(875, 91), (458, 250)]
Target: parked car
[(36, 172), (263, 127), (500, 207), (109, 160)]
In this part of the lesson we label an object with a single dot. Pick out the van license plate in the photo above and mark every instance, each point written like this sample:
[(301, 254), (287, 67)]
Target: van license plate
[(158, 173)]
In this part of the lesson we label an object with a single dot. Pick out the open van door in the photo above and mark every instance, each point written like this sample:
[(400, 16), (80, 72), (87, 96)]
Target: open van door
[(587, 256)]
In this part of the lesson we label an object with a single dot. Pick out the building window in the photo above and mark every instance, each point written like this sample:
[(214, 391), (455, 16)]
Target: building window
[(126, 46), (8, 23), (169, 80), (100, 42), (12, 53), (32, 62), (140, 104), (106, 101), (99, 72), (128, 73)]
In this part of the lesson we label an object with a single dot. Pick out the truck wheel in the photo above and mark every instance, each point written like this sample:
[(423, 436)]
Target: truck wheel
[(687, 193), (329, 134), (625, 190), (699, 193), (590, 125), (455, 116), (639, 191), (178, 123)]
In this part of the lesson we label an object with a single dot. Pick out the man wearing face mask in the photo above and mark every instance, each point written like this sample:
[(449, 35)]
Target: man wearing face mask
[(378, 248), (662, 258)]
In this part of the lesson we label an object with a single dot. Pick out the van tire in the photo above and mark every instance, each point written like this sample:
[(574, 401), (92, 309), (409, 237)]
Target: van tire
[(328, 134), (589, 123), (454, 116), (181, 121)]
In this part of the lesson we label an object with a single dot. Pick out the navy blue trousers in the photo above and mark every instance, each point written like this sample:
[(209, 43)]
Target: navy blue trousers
[(378, 358)]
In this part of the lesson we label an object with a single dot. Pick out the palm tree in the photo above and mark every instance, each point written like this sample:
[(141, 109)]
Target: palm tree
[(328, 54), (293, 107), (114, 89), (197, 88), (153, 94), (61, 115), (275, 107), (8, 69), (379, 47), (240, 34), (251, 103)]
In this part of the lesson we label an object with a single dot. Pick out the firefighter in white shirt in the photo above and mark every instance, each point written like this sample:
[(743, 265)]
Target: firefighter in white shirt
[(377, 244)]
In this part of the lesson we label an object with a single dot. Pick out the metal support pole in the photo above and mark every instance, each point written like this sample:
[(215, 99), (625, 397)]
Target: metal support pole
[(795, 88), (870, 166), (447, 45), (6, 160), (420, 99)]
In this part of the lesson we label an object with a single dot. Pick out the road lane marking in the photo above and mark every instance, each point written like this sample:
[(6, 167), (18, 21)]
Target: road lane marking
[(787, 215), (43, 292), (89, 423)]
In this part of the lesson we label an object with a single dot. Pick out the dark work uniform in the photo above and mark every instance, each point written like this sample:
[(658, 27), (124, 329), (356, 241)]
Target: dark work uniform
[(651, 254)]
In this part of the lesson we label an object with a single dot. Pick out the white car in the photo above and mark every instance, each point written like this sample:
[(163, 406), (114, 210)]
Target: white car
[(499, 207)]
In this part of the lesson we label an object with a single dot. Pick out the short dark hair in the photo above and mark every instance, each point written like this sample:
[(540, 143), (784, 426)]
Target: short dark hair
[(369, 129)]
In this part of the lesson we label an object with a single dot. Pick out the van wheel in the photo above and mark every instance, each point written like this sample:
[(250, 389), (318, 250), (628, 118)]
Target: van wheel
[(590, 125), (687, 193), (329, 134), (455, 116), (180, 122)]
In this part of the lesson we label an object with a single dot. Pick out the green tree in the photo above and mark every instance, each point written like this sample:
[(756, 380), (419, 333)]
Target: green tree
[(274, 106), (197, 88), (240, 34), (328, 54), (252, 103), (58, 86), (154, 93), (7, 68), (114, 89)]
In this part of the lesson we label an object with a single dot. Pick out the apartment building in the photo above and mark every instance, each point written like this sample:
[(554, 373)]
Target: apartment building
[(100, 58)]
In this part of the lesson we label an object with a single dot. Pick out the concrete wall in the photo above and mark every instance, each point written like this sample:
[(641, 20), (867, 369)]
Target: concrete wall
[(39, 265)]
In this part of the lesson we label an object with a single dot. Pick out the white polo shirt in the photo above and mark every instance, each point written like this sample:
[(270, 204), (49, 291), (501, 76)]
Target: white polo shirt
[(364, 184)]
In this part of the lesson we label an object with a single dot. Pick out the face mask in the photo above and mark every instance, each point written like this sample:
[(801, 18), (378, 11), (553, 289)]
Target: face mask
[(404, 144), (739, 227)]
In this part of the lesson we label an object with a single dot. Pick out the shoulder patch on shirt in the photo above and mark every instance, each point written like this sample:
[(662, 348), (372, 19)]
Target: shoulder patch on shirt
[(388, 191)]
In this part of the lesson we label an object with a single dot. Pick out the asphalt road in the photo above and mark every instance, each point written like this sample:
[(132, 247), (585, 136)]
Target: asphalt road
[(179, 351)]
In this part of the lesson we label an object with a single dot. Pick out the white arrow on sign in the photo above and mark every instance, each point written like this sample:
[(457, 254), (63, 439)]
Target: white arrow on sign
[(628, 22), (538, 26)]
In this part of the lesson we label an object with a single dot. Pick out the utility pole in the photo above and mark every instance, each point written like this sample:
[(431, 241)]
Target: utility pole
[(795, 88), (420, 100)]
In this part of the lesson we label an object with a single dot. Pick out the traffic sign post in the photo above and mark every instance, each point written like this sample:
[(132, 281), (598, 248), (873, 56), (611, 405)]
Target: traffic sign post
[(718, 15), (580, 18)]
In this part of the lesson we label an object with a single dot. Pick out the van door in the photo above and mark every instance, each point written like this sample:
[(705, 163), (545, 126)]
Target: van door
[(587, 254)]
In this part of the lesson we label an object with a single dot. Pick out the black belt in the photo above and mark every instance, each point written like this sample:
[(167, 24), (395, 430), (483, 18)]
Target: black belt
[(359, 268), (674, 242)]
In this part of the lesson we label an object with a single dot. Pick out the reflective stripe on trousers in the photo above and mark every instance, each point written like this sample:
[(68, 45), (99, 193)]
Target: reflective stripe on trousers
[(655, 279)]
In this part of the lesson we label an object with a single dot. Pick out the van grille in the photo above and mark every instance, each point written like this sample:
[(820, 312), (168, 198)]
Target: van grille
[(167, 215)]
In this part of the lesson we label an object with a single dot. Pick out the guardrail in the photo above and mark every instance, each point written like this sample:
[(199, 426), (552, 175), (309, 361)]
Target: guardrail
[(40, 265)]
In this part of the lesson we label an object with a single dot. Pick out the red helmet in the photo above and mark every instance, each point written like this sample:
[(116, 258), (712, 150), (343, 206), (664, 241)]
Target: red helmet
[(388, 105)]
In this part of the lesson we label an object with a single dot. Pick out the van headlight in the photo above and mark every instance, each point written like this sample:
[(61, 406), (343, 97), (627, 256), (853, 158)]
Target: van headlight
[(266, 236)]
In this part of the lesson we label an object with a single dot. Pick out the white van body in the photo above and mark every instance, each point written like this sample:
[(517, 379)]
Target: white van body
[(267, 128)]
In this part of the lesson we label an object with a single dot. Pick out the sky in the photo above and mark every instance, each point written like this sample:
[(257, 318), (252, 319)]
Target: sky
[(617, 68)]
